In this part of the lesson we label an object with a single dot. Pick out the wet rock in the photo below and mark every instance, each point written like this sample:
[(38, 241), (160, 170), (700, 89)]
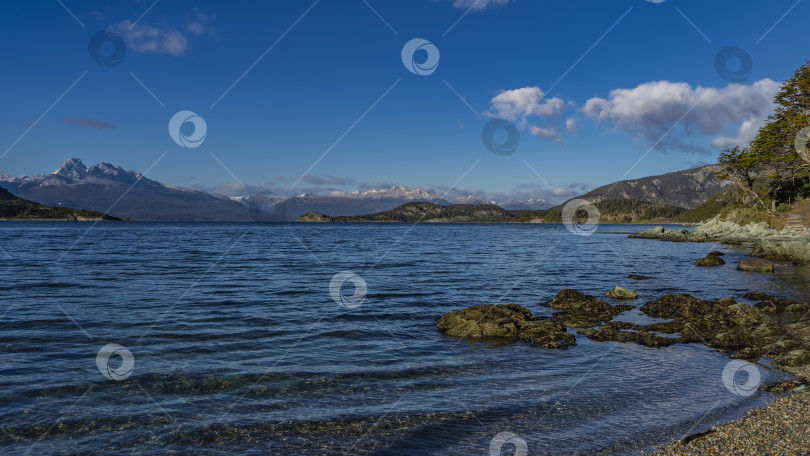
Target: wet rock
[(781, 387), (618, 292), (485, 321), (728, 341), (638, 277), (709, 260), (627, 332), (546, 333), (683, 307), (748, 353), (798, 308), (785, 311), (744, 315), (781, 347), (722, 324), (757, 295), (755, 265), (794, 358), (506, 321), (570, 299), (716, 253), (583, 311), (800, 330)]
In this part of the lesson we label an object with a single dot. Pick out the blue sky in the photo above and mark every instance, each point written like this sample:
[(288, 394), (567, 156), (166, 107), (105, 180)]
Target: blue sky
[(593, 87)]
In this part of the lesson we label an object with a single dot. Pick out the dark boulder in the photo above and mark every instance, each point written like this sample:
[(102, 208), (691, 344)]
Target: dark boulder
[(710, 260), (756, 265), (505, 321), (624, 332), (794, 358), (581, 310), (638, 277), (722, 324)]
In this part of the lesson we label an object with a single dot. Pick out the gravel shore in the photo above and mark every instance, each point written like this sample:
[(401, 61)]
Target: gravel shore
[(781, 428)]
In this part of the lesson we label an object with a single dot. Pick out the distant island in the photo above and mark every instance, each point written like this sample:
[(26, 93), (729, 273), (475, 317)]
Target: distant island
[(14, 208), (612, 211), (424, 212)]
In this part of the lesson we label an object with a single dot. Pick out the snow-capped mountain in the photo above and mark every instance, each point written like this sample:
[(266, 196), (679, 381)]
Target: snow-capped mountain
[(469, 199), (395, 192), (74, 172), (531, 204), (108, 188)]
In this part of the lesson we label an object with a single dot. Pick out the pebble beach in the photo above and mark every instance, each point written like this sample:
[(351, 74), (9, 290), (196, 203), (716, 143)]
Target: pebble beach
[(781, 428)]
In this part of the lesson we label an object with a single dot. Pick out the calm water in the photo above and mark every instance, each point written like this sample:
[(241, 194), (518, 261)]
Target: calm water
[(238, 347)]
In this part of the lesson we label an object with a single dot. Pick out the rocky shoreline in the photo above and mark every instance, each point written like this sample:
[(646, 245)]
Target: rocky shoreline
[(774, 328), (765, 242), (781, 427)]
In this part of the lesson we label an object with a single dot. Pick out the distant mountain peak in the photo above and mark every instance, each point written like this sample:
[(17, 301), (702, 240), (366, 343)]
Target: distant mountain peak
[(106, 187), (73, 169)]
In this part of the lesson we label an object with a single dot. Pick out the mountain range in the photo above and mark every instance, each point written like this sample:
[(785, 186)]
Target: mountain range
[(112, 190)]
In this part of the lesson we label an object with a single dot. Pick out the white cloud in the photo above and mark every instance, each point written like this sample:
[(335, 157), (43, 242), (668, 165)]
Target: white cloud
[(745, 133), (198, 23), (478, 5), (528, 101), (520, 104), (552, 132), (145, 38), (572, 124), (650, 110)]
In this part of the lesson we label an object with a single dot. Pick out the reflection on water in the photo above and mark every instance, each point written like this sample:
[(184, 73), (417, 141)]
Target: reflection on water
[(239, 348)]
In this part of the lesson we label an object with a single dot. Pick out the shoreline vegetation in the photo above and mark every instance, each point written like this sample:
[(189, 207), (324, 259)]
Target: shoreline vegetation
[(18, 209)]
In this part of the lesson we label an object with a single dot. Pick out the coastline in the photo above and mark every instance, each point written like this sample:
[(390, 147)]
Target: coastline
[(767, 243), (780, 427)]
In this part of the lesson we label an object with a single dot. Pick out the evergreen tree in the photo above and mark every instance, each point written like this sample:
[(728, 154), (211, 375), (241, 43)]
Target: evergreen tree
[(772, 153)]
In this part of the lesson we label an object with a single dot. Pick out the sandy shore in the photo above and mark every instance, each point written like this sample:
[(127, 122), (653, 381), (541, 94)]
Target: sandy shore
[(781, 428)]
